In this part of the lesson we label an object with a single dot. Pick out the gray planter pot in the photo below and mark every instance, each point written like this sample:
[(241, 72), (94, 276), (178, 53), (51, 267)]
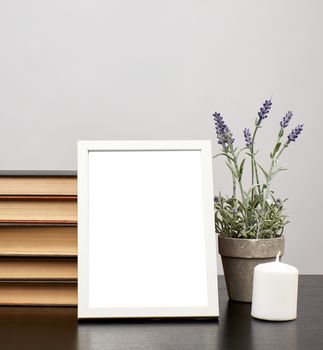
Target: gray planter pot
[(239, 258)]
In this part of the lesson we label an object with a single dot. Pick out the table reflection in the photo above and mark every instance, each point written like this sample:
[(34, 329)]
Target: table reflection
[(57, 328)]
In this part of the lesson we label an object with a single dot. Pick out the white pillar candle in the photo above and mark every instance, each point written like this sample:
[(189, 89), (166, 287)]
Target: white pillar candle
[(274, 296)]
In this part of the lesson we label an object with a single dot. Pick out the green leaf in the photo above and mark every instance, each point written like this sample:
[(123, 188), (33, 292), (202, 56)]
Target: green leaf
[(263, 171), (250, 189), (254, 153), (242, 149), (278, 170), (224, 154), (276, 149), (233, 170), (241, 168), (241, 205), (256, 122)]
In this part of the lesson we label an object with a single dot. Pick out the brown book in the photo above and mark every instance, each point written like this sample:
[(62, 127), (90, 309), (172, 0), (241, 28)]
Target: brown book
[(38, 293), (38, 185), (38, 240), (37, 209), (38, 269)]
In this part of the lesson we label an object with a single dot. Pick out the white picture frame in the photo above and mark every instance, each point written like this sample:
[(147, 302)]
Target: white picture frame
[(146, 239)]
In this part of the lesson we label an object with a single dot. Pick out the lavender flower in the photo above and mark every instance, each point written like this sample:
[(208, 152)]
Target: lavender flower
[(247, 137), (294, 133), (264, 110), (284, 123), (223, 133)]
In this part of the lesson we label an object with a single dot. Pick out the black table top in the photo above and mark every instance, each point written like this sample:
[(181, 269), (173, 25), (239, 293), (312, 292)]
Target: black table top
[(57, 328)]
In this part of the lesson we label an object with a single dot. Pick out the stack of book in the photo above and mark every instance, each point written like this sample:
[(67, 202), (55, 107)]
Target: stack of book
[(38, 238)]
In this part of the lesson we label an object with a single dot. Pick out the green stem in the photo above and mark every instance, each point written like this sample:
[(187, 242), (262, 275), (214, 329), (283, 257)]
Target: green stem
[(235, 163), (254, 170), (234, 182), (234, 187), (270, 173)]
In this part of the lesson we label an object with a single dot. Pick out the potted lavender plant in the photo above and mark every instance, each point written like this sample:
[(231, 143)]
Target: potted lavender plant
[(250, 222)]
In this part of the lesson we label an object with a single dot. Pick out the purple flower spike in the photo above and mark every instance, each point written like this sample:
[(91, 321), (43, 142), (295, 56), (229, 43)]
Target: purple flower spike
[(284, 123), (295, 133), (247, 137), (264, 110), (223, 133)]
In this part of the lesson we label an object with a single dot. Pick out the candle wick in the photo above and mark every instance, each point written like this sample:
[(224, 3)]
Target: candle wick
[(277, 256)]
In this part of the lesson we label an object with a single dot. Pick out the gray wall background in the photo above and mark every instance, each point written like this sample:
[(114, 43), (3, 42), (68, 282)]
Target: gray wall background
[(146, 69)]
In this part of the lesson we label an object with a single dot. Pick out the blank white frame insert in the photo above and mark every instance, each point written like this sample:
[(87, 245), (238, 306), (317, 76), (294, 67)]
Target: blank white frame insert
[(146, 241)]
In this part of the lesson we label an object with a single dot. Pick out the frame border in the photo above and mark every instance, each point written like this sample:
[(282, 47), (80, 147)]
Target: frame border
[(204, 146)]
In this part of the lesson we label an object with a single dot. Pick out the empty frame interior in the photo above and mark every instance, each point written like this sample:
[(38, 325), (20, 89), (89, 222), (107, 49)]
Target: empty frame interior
[(147, 247)]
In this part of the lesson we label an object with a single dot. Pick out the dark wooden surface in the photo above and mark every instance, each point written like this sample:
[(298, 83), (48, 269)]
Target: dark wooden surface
[(57, 328)]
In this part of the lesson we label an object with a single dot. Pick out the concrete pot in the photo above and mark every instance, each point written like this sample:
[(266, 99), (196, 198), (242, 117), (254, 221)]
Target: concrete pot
[(239, 258)]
